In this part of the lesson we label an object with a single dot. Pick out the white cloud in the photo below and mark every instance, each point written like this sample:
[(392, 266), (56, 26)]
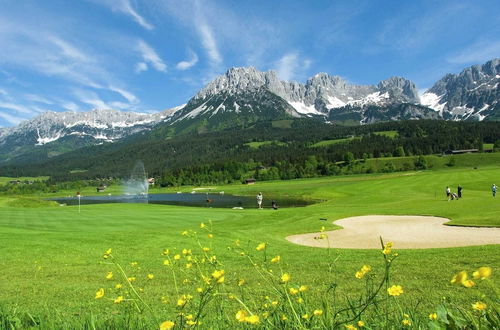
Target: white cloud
[(38, 99), (477, 53), (140, 67), (125, 7), (16, 107), (70, 106), (290, 66), (150, 56), (208, 42), (184, 65), (126, 94), (90, 98), (14, 120)]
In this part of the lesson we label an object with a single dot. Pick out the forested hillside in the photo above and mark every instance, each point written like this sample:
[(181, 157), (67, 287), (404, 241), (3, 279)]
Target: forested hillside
[(270, 150)]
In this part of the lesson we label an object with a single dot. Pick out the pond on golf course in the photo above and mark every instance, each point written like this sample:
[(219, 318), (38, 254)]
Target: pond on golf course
[(187, 199)]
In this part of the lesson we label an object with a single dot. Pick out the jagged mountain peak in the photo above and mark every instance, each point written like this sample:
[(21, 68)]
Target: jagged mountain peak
[(473, 93)]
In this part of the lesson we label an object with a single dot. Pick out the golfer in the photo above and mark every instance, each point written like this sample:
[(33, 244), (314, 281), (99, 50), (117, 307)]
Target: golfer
[(259, 200)]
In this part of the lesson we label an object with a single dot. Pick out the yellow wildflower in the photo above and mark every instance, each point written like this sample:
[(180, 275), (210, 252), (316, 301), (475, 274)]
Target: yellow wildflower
[(190, 322), (164, 300), (167, 325), (293, 291), (276, 259), (109, 275), (261, 247), (131, 279), (108, 251), (482, 273), (189, 317), (181, 302), (202, 225), (241, 315), (206, 249), (237, 242), (241, 282), (395, 290), (305, 316), (274, 303), (199, 290), (220, 280), (265, 315), (303, 288), (189, 265), (300, 300), (217, 274), (285, 278), (150, 276), (361, 324), (133, 263), (177, 257), (459, 278), (283, 317), (479, 306), (468, 283), (387, 248), (184, 233), (99, 294), (185, 251), (318, 312), (118, 286), (322, 228), (210, 236), (166, 262), (406, 322), (433, 316), (253, 319), (166, 252), (118, 300), (350, 327)]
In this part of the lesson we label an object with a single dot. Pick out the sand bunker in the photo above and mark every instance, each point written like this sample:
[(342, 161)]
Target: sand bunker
[(407, 232)]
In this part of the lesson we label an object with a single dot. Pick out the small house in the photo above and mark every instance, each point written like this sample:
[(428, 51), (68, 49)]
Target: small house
[(250, 181)]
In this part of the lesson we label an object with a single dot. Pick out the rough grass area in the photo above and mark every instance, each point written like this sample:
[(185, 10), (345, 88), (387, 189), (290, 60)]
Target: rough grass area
[(257, 145), (52, 262)]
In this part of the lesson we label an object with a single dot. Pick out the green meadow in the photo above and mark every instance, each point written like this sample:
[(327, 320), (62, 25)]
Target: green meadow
[(52, 256)]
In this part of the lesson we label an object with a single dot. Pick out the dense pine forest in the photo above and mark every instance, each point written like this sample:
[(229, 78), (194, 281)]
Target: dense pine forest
[(284, 150)]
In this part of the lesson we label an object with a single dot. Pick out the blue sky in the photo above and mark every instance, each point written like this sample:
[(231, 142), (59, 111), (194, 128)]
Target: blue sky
[(151, 55)]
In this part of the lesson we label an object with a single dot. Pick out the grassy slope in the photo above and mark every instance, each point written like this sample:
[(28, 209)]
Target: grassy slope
[(51, 255)]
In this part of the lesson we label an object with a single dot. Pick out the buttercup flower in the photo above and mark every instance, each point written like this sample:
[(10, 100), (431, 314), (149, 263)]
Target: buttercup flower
[(118, 300), (395, 290), (433, 316), (479, 306), (241, 315), (406, 322), (202, 225), (99, 294), (276, 259), (118, 286), (361, 324), (482, 273), (261, 247), (218, 274), (167, 325), (293, 291), (253, 319), (285, 278), (459, 278), (318, 312), (150, 276), (350, 327), (109, 275)]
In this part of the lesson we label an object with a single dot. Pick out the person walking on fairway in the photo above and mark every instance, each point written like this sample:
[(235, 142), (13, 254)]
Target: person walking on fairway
[(459, 191), (259, 200), (448, 192), (494, 190)]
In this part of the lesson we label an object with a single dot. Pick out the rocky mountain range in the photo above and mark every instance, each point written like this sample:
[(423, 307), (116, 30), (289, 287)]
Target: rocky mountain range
[(243, 96)]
